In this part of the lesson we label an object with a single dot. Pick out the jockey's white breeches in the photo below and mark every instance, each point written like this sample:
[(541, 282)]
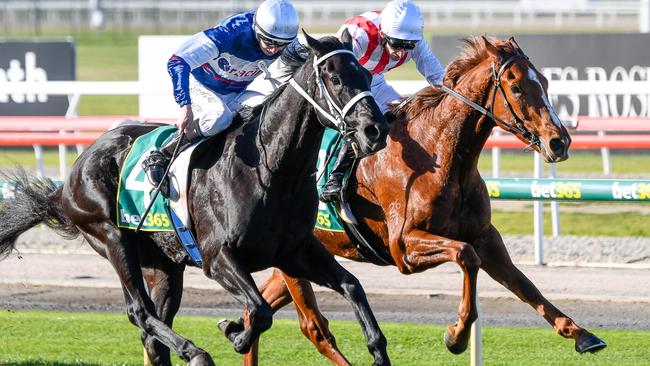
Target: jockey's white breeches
[(215, 111)]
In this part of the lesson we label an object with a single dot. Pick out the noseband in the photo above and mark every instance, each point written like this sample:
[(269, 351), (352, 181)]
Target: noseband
[(518, 127), (335, 115)]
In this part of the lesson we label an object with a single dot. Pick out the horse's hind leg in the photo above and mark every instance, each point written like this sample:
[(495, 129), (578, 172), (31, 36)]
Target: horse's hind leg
[(312, 322), (278, 290), (165, 283), (496, 261), (121, 250), (312, 262), (234, 278)]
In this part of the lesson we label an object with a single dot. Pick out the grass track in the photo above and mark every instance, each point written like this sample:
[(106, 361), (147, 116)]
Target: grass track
[(60, 338)]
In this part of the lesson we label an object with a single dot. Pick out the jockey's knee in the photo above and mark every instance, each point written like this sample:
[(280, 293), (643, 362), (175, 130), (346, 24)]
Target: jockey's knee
[(215, 121)]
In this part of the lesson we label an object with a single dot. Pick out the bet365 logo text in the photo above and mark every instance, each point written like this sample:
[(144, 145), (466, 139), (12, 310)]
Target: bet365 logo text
[(556, 190), (634, 191)]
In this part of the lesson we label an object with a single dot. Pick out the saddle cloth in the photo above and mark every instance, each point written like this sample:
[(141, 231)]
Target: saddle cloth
[(134, 189), (328, 217)]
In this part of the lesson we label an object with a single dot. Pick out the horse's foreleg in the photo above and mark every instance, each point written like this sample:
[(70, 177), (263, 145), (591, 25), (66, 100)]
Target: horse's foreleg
[(165, 289), (234, 278), (276, 294), (121, 250), (312, 322), (312, 262), (424, 250), (496, 261)]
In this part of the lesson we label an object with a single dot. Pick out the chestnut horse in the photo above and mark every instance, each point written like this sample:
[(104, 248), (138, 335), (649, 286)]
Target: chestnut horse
[(421, 201), (252, 197)]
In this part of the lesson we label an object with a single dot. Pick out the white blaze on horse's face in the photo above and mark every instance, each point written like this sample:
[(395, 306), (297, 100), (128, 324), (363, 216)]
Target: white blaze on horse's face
[(532, 75)]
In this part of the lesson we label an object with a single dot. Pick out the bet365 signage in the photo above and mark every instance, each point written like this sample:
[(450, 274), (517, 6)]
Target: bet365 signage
[(35, 62)]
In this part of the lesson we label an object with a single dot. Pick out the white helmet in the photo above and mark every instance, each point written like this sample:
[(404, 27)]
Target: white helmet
[(277, 20), (402, 19)]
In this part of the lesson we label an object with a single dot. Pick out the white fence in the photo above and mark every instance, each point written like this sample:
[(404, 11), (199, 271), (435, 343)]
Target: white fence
[(75, 89), (438, 13)]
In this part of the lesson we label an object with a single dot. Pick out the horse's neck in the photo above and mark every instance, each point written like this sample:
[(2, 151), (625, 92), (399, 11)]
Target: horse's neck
[(458, 132), (289, 136)]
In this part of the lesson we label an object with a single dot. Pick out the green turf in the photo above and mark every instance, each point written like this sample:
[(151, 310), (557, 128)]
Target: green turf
[(59, 338), (618, 224)]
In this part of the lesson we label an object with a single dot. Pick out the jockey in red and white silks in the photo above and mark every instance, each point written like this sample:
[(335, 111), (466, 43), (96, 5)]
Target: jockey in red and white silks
[(384, 40), (381, 42)]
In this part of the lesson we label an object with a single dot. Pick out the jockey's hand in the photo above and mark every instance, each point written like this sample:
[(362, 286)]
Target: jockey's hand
[(186, 117)]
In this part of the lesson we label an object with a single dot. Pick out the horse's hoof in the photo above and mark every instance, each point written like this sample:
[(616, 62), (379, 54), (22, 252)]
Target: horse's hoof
[(381, 362), (202, 359), (231, 328), (589, 343), (242, 343), (454, 345)]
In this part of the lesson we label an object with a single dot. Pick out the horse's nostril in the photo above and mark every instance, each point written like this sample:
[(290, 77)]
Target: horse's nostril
[(557, 146), (372, 133)]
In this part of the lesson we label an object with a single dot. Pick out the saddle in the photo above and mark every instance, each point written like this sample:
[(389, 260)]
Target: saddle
[(134, 192)]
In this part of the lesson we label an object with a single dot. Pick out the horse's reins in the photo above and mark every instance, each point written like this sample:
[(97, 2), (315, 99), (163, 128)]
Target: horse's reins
[(336, 115), (496, 76)]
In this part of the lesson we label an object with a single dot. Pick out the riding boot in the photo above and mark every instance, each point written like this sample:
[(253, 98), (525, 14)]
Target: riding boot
[(332, 190), (156, 163)]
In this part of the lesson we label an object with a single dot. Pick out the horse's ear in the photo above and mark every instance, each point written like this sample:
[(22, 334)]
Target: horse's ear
[(514, 43), (346, 39), (492, 49), (314, 44)]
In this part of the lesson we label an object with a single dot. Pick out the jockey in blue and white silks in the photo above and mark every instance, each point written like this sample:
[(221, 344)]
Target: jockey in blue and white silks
[(211, 70)]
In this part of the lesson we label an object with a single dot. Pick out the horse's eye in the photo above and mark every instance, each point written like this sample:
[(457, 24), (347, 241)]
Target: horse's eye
[(336, 80), (515, 89)]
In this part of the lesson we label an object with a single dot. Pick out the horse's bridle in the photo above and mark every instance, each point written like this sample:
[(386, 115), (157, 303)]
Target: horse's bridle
[(336, 115), (518, 127)]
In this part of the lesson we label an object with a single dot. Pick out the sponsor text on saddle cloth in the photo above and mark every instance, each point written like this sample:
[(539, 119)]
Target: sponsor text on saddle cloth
[(133, 193), (328, 216)]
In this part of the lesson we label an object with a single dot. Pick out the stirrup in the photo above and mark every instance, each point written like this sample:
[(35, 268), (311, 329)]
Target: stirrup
[(330, 195), (154, 167), (345, 212)]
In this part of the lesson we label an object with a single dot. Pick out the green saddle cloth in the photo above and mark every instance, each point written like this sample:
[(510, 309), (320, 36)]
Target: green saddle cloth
[(327, 217), (134, 189)]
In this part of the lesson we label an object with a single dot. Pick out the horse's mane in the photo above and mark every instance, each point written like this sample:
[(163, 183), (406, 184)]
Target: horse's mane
[(472, 53)]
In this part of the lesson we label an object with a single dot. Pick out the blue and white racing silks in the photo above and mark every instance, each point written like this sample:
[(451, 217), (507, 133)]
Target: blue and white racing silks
[(224, 59)]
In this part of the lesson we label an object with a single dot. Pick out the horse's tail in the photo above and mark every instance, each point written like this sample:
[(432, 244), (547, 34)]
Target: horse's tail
[(34, 201)]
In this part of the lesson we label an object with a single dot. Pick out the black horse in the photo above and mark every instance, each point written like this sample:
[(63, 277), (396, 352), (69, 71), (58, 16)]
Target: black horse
[(252, 197)]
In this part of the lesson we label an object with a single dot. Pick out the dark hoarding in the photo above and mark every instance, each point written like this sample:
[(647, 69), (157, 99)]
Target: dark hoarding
[(37, 62), (592, 57)]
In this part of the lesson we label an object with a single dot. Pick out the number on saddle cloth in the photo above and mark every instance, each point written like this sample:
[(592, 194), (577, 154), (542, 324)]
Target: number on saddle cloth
[(133, 193)]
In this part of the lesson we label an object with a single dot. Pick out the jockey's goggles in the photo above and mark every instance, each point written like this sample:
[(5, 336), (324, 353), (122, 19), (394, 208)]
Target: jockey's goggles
[(270, 42), (400, 44)]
